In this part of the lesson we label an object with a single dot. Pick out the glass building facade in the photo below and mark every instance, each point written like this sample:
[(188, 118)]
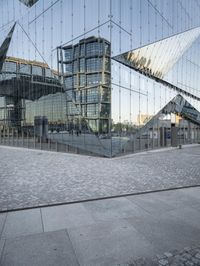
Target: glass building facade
[(29, 89), (86, 72), (126, 79)]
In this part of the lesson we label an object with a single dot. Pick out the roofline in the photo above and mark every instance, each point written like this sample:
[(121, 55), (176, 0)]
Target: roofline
[(25, 61), (85, 40)]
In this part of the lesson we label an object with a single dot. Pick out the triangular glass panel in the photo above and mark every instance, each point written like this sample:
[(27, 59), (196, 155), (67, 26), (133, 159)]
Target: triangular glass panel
[(157, 58), (4, 47), (28, 3)]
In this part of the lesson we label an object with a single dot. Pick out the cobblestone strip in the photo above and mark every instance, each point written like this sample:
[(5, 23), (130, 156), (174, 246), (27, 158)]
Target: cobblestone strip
[(189, 256)]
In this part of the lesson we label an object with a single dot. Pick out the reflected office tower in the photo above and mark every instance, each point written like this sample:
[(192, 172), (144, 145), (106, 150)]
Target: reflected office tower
[(85, 69), (29, 89)]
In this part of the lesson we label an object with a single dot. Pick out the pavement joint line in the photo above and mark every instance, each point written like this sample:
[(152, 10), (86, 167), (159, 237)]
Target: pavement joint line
[(1, 254), (42, 220), (67, 234), (98, 199), (3, 225)]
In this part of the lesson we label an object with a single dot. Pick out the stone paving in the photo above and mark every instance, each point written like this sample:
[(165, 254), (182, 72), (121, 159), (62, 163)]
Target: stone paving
[(150, 229), (189, 256), (34, 178)]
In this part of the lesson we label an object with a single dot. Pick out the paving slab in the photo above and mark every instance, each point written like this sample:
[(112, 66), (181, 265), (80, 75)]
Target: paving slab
[(151, 203), (46, 249), (188, 215), (106, 232), (65, 216), (106, 243), (112, 209), (24, 222), (166, 231), (194, 192), (177, 198)]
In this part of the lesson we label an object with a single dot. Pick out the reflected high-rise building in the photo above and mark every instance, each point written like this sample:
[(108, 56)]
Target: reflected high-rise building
[(86, 71)]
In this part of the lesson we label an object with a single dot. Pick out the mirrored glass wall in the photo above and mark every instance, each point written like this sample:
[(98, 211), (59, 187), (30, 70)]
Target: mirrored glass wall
[(100, 77)]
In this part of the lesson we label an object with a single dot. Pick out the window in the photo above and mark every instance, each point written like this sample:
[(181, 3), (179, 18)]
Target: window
[(77, 96), (105, 94), (68, 82), (25, 69), (7, 76), (82, 49), (75, 66), (68, 68), (94, 48), (92, 110), (92, 95), (94, 64), (83, 92), (93, 79), (82, 65), (37, 70), (93, 125), (70, 95), (68, 54), (9, 67), (83, 108), (76, 51), (81, 80), (38, 78), (105, 110), (75, 80), (48, 73)]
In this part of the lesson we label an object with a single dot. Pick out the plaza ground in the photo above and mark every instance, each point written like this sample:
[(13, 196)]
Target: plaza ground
[(108, 232), (31, 178), (152, 228)]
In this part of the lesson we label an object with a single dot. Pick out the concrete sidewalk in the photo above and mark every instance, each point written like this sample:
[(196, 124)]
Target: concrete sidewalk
[(109, 232)]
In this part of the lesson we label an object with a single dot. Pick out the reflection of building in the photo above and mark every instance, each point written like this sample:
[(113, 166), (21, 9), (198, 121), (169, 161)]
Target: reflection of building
[(35, 104), (86, 70), (28, 89)]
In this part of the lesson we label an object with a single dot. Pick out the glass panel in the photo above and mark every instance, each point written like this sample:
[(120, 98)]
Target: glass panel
[(93, 79), (9, 67), (36, 70), (68, 54), (94, 64), (25, 69), (94, 48)]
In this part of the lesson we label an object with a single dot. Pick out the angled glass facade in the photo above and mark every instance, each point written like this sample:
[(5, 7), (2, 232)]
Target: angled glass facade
[(157, 58), (100, 77)]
